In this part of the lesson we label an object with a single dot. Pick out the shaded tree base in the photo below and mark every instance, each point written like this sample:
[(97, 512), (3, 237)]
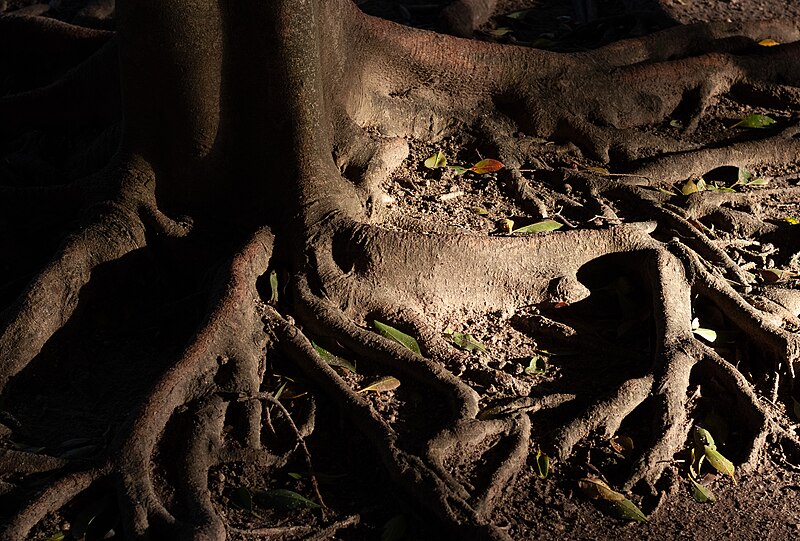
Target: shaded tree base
[(247, 196)]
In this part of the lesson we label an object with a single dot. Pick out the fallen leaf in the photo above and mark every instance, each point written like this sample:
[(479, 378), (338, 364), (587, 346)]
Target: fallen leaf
[(334, 360), (754, 121), (242, 498), (457, 169), (706, 334), (539, 227), (622, 444), (480, 211), (792, 220), (537, 365), (700, 493), (774, 275), (400, 337), (542, 464), (719, 462), (395, 528), (486, 166), (282, 499), (464, 341), (273, 288), (437, 161), (599, 170), (768, 43), (596, 489), (386, 383), (505, 225), (676, 123)]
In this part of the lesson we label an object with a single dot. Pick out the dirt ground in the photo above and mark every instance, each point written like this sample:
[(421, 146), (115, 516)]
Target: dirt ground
[(761, 505)]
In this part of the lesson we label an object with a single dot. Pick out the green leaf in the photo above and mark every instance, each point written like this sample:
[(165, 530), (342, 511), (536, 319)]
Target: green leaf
[(758, 182), (537, 365), (242, 498), (539, 227), (754, 121), (486, 166), (464, 341), (480, 211), (596, 489), (273, 288), (386, 383), (542, 464), (295, 475), (702, 439), (334, 360), (700, 493), (437, 161), (400, 337), (457, 169), (719, 462), (676, 123), (282, 499), (689, 187), (60, 536), (395, 528)]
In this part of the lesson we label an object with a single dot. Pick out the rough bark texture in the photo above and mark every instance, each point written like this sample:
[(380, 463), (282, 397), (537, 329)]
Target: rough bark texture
[(257, 137)]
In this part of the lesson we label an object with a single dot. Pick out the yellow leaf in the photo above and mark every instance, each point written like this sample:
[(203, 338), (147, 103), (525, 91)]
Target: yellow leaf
[(768, 43), (386, 383)]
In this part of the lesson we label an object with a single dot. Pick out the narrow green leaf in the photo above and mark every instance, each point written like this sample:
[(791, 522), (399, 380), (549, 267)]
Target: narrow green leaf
[(386, 383), (334, 360), (542, 464), (400, 337), (486, 166), (628, 510), (60, 536), (464, 341), (719, 462), (676, 123), (242, 498), (758, 182), (700, 493), (596, 489), (437, 161), (395, 528), (539, 227), (457, 169), (480, 211), (754, 121), (282, 499), (295, 475), (273, 287)]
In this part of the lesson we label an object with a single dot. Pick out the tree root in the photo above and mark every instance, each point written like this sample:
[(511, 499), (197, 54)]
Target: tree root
[(210, 405)]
